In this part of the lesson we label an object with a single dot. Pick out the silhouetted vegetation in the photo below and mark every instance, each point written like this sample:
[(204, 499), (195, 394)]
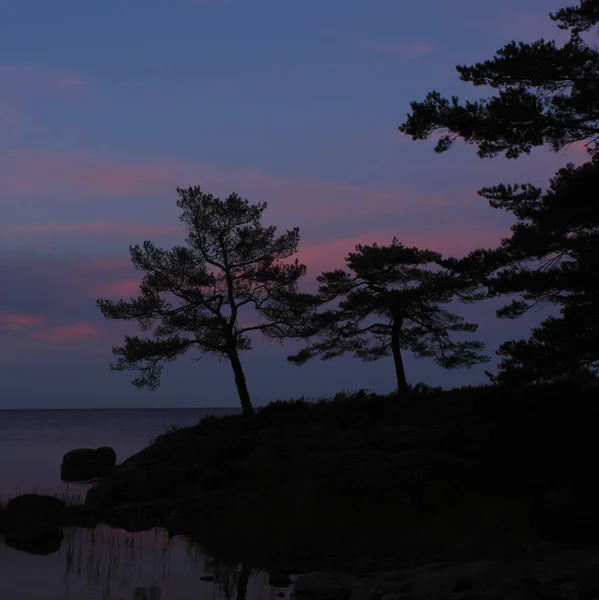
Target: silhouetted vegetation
[(192, 296), (391, 301), (546, 95), (448, 474)]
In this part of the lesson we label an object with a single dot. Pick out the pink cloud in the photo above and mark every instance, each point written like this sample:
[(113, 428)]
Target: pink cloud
[(288, 196), (11, 119), (68, 333), (37, 171), (103, 264), (576, 152), (405, 49), (17, 321), (126, 180), (330, 254), (61, 81), (101, 228), (121, 288)]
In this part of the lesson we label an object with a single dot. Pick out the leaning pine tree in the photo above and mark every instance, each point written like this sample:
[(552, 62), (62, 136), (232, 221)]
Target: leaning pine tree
[(391, 300), (192, 295)]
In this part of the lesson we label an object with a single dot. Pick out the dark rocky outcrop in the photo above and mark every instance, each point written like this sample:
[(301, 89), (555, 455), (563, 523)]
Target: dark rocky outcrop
[(33, 523), (83, 464), (492, 490), (472, 472), (367, 482), (552, 574)]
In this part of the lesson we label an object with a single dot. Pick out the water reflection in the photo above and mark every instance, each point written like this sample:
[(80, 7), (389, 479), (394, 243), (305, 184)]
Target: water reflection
[(111, 564)]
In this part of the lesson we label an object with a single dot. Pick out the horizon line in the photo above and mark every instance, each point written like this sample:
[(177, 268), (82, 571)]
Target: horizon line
[(127, 408)]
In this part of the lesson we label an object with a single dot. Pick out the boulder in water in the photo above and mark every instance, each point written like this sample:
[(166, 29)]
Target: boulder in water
[(106, 455), (83, 464), (33, 523)]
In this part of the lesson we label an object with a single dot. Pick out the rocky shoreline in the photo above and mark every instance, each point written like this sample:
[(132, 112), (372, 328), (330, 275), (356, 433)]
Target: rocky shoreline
[(464, 492)]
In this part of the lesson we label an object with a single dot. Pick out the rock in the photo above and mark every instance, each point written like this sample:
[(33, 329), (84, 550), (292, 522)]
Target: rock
[(436, 579), (589, 593), (462, 585), (325, 585), (83, 464), (29, 505), (33, 523), (106, 455), (134, 484), (116, 492), (136, 516), (279, 581)]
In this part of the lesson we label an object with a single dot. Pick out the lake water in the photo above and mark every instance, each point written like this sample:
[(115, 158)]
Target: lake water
[(105, 563), (33, 442)]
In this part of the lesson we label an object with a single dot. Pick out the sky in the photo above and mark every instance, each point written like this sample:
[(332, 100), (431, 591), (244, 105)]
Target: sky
[(107, 107)]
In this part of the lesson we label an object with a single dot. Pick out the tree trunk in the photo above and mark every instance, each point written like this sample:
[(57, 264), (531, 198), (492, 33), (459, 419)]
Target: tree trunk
[(402, 384), (242, 390)]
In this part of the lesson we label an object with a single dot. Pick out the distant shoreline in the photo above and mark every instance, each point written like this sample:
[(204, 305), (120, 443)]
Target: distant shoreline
[(161, 408)]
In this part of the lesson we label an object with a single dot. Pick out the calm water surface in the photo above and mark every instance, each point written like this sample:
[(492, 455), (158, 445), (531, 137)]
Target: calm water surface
[(105, 563), (33, 442)]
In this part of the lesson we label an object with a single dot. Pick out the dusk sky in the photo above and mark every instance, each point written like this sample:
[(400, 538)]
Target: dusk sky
[(107, 107)]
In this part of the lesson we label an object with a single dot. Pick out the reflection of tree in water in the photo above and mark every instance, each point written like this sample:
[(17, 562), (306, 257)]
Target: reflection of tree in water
[(138, 565), (239, 582), (230, 580), (147, 593), (111, 558)]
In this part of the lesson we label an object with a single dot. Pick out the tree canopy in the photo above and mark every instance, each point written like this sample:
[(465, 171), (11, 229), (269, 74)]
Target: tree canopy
[(552, 258), (192, 296), (390, 300), (546, 95)]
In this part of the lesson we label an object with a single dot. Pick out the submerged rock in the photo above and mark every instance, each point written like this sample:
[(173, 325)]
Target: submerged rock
[(83, 464), (33, 523)]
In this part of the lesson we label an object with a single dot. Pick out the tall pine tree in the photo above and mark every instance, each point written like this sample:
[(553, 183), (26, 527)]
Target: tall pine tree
[(546, 95)]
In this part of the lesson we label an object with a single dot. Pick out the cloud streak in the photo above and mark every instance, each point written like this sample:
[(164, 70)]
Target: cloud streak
[(18, 321), (206, 2), (117, 289), (60, 81), (330, 254), (100, 228), (75, 332), (405, 49), (29, 176)]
